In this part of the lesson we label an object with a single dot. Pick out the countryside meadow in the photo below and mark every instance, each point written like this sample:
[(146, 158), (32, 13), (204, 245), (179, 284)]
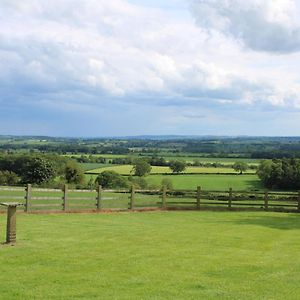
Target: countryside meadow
[(149, 149)]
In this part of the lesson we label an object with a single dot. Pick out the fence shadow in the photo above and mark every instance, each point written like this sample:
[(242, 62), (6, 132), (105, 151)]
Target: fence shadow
[(285, 222)]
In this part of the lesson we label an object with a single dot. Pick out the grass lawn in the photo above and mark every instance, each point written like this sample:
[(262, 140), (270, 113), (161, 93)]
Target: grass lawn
[(126, 170), (159, 255), (210, 182)]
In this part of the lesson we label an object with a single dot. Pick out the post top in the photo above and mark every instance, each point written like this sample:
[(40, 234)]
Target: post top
[(10, 204)]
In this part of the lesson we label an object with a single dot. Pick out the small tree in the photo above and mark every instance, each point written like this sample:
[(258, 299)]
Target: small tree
[(240, 166), (141, 168), (73, 173), (177, 166)]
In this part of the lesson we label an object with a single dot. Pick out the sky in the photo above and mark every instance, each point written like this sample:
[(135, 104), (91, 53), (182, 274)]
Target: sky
[(149, 67)]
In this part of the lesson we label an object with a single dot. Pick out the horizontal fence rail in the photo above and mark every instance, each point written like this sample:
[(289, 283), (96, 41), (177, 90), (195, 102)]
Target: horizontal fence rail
[(37, 199)]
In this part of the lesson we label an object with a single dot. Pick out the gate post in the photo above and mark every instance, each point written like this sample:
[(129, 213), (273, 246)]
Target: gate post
[(11, 227)]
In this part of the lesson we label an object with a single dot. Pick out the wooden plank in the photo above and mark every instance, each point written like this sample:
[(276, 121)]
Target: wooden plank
[(46, 198), (12, 197), (46, 205), (65, 198), (19, 189), (99, 198), (132, 196), (164, 197), (27, 197), (45, 190), (81, 198), (266, 201)]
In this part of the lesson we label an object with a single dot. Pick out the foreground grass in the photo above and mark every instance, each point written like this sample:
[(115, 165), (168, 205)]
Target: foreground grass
[(160, 255)]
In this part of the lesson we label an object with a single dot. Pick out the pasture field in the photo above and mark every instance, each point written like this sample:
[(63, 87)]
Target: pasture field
[(188, 157), (92, 166), (126, 170), (158, 255), (210, 182), (206, 181)]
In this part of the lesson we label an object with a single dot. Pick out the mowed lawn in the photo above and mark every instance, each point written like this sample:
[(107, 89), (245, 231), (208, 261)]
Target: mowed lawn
[(158, 255), (127, 170)]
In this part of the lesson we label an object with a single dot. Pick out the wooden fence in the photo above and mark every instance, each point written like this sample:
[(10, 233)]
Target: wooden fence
[(38, 199)]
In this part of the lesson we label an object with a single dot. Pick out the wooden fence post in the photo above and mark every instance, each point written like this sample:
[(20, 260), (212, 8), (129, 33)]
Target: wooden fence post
[(65, 197), (230, 198), (198, 196), (27, 197), (99, 197), (298, 201), (132, 196), (266, 200), (164, 197)]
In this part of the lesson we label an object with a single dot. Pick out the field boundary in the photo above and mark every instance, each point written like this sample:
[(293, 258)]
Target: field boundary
[(35, 200)]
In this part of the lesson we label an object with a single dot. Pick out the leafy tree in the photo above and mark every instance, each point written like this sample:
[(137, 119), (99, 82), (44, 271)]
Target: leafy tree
[(177, 166), (38, 170), (73, 173), (240, 166), (280, 173), (141, 167), (111, 179)]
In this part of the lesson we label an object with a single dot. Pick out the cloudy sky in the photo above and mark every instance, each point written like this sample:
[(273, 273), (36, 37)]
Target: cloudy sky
[(135, 67)]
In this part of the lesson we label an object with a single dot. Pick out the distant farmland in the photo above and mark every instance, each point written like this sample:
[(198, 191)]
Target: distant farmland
[(126, 170)]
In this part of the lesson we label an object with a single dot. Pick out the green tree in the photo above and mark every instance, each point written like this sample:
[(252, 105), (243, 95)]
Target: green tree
[(111, 179), (141, 167), (73, 173), (177, 166), (38, 170), (280, 173), (240, 166)]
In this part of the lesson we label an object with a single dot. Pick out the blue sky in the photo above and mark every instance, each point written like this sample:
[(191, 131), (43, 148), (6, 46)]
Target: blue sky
[(113, 68)]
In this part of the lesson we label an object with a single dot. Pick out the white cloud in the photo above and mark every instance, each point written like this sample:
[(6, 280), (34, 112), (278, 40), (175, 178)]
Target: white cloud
[(263, 25), (94, 51)]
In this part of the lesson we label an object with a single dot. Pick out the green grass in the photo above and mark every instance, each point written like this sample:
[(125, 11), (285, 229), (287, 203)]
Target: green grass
[(92, 166), (126, 170), (210, 182), (161, 255)]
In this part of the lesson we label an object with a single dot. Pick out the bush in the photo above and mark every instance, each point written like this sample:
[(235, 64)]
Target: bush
[(111, 179), (138, 182), (9, 178)]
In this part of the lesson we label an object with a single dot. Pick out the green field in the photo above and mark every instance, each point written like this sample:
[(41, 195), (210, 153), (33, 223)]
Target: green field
[(92, 166), (210, 182), (160, 255), (126, 170)]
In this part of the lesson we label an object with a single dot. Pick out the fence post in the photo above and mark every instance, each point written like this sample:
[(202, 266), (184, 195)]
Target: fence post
[(99, 197), (65, 197), (266, 200), (298, 201), (164, 197), (132, 196), (230, 198), (27, 197), (198, 196)]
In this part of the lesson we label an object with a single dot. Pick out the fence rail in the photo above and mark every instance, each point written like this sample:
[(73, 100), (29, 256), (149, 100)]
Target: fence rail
[(38, 199)]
